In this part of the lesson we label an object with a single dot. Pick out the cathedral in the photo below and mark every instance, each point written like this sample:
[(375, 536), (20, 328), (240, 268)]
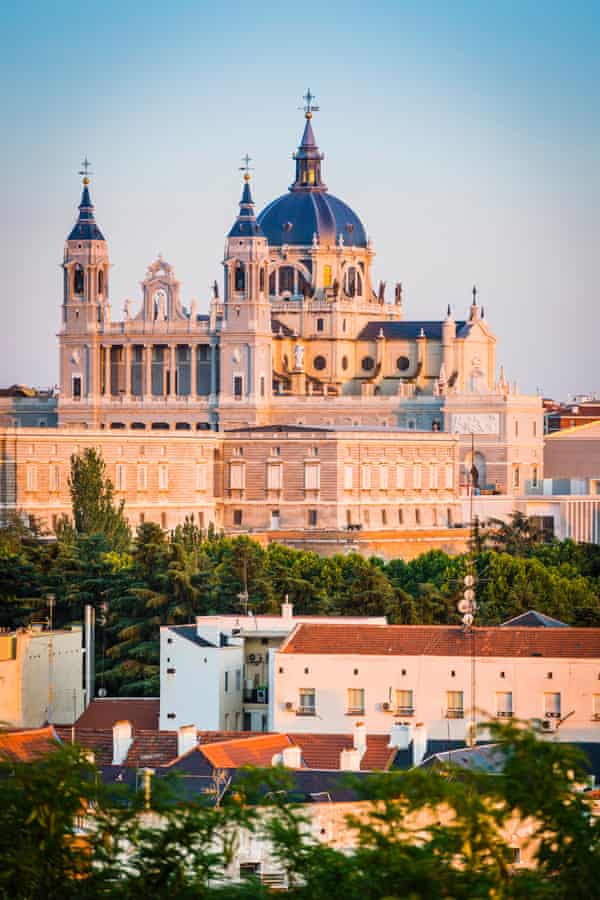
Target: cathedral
[(299, 342)]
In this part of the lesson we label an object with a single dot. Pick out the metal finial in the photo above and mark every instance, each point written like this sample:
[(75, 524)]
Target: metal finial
[(309, 107), (474, 295), (85, 170), (246, 168)]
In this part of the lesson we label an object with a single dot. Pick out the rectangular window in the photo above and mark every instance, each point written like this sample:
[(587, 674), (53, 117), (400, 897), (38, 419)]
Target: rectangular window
[(365, 478), (552, 706), (596, 706), (238, 679), (226, 682), (516, 477), (417, 476), (142, 477), (534, 428), (327, 276), (366, 516), (449, 483), (31, 476), (504, 707), (433, 478), (383, 478), (274, 476), (534, 476), (306, 702), (237, 517), (348, 476), (163, 477), (262, 385), (404, 703), (356, 702), (312, 476), (237, 476), (238, 386), (384, 516), (400, 516), (313, 518), (455, 705), (54, 477), (77, 387), (400, 477), (121, 477), (200, 476), (275, 519)]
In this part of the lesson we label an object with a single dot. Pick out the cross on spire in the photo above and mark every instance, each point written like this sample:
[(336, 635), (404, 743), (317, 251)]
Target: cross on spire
[(309, 107), (474, 295), (246, 168), (85, 169)]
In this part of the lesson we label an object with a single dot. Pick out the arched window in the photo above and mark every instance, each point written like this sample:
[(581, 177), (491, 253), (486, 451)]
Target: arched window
[(320, 325), (344, 363), (272, 287), (78, 280), (327, 276), (286, 280), (239, 277), (368, 363), (351, 282), (101, 281), (261, 280)]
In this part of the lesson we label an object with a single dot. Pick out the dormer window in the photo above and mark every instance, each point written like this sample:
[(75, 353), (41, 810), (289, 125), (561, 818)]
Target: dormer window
[(288, 226)]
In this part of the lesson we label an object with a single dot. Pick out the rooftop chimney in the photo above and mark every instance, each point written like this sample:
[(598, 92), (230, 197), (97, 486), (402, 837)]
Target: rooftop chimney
[(350, 760), (287, 609), (122, 741), (360, 737), (291, 757), (187, 738), (419, 743), (400, 736)]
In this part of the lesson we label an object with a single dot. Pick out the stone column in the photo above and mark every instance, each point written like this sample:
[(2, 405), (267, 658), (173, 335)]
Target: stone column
[(172, 366), (107, 349), (213, 372), (147, 389)]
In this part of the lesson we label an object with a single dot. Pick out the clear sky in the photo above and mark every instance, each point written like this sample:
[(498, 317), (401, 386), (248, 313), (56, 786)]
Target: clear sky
[(465, 135)]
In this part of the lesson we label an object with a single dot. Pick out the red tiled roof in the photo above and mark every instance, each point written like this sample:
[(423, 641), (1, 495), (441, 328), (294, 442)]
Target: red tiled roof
[(322, 751), (103, 713), (152, 748), (443, 640), (25, 746), (99, 741), (254, 751)]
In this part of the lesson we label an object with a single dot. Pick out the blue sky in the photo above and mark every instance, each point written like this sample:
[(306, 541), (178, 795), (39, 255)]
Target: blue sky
[(466, 136)]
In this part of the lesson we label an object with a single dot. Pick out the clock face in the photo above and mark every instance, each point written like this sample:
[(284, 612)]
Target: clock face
[(236, 355)]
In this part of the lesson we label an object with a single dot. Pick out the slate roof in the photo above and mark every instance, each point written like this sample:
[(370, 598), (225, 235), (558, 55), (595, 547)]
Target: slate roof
[(104, 712), (443, 640), (27, 745), (189, 632), (405, 330)]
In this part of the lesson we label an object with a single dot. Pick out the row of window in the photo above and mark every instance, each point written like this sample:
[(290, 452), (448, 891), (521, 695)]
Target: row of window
[(356, 519), (121, 473), (437, 477), (403, 703)]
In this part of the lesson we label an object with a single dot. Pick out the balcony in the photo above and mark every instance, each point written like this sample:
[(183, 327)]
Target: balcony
[(355, 711), (504, 714), (405, 711), (256, 695), (455, 713), (306, 711)]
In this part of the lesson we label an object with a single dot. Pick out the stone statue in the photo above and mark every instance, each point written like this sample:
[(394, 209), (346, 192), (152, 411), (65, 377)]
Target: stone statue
[(215, 289), (306, 289), (160, 306), (398, 293), (299, 356), (127, 308), (381, 293), (193, 309), (336, 288)]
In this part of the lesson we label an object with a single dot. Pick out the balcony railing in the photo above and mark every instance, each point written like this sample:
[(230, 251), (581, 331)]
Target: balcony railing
[(455, 713), (256, 695), (405, 711), (355, 711), (504, 714), (306, 711)]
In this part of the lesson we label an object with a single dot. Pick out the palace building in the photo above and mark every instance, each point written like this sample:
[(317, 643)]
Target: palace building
[(318, 403)]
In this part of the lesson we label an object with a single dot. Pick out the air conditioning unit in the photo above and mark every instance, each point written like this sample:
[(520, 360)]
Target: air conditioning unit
[(252, 657), (386, 707), (261, 695), (548, 725), (289, 704)]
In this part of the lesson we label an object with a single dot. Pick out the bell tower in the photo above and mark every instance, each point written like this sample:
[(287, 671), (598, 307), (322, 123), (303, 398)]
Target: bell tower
[(246, 357), (85, 307)]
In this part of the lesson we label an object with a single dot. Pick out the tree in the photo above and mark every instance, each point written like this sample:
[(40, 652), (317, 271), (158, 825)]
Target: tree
[(519, 536), (92, 499)]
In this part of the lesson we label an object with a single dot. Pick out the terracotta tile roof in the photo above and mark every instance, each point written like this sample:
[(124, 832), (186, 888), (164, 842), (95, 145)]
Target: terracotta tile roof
[(103, 713), (99, 741), (255, 751), (443, 640), (25, 746), (322, 751), (152, 748)]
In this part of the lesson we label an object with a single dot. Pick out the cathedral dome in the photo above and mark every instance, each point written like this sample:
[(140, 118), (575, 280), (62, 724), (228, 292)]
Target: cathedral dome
[(309, 210), (295, 217)]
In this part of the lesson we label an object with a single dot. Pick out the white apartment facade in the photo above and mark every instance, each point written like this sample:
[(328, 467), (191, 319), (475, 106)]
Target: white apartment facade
[(442, 679), (215, 674)]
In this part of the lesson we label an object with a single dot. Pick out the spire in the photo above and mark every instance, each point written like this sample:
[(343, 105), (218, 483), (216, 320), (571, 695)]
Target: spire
[(246, 225), (474, 313), (85, 228), (308, 156)]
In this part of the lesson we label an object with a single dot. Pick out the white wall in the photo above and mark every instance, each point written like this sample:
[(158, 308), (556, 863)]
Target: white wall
[(430, 677), (195, 693)]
